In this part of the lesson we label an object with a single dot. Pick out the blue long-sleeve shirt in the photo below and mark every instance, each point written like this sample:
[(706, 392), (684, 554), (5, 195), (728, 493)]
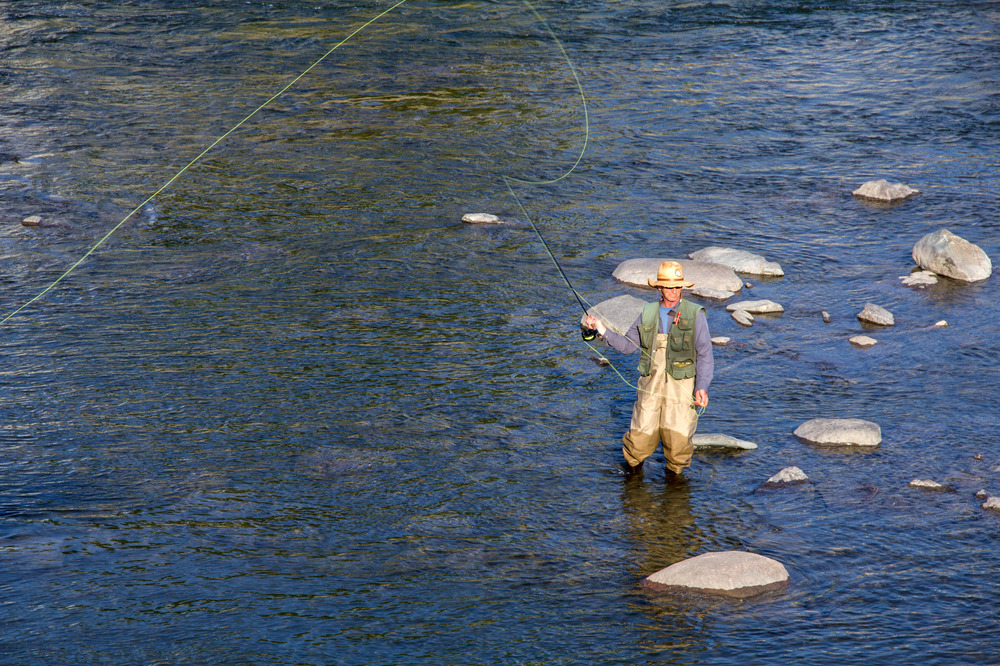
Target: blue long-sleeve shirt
[(704, 363)]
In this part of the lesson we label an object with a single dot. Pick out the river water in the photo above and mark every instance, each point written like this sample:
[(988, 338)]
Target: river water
[(294, 411)]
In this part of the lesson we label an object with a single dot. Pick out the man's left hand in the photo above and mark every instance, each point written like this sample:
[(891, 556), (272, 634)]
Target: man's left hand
[(701, 398)]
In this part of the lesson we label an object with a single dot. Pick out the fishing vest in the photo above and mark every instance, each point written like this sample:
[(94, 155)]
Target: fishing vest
[(681, 354)]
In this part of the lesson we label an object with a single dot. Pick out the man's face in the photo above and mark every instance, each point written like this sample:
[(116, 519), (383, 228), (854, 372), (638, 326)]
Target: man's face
[(670, 295)]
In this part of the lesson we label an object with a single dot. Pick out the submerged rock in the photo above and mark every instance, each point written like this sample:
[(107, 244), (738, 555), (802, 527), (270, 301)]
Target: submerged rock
[(481, 218), (863, 341), (876, 314), (756, 307), (927, 484), (919, 279), (992, 504), (715, 440), (743, 318), (637, 272), (840, 432), (946, 254), (884, 191), (730, 573), (740, 261), (789, 476)]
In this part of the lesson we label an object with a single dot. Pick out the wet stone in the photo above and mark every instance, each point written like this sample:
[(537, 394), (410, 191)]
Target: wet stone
[(743, 318), (789, 476), (756, 307), (721, 341), (32, 221), (946, 254), (731, 573), (704, 275), (740, 261), (927, 484), (876, 314), (884, 191), (715, 440), (919, 279), (863, 341), (481, 218), (840, 432), (826, 317), (992, 504)]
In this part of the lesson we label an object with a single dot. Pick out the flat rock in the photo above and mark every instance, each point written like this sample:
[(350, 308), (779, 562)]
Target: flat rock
[(919, 279), (743, 318), (721, 341), (992, 504), (715, 440), (927, 484), (32, 221), (712, 294), (789, 476), (876, 314), (756, 307), (704, 275), (840, 432), (618, 313), (863, 341), (481, 218), (946, 254), (740, 261), (731, 573), (884, 191)]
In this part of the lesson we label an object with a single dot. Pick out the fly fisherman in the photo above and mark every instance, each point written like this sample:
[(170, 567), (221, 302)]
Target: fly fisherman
[(676, 367)]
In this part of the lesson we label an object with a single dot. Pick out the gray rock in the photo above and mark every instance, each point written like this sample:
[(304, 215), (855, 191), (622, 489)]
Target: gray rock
[(876, 314), (618, 313), (826, 317), (756, 307), (740, 261), (481, 218), (919, 279), (840, 432), (789, 476), (947, 254), (32, 221), (982, 494), (743, 318), (721, 341), (713, 294), (863, 341), (992, 504), (884, 191), (927, 484), (731, 573), (715, 440), (636, 272), (941, 324)]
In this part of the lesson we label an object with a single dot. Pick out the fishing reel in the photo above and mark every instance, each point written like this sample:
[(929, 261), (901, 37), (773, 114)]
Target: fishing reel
[(588, 333)]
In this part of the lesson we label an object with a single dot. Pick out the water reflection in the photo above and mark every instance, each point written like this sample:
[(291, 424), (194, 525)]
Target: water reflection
[(661, 525)]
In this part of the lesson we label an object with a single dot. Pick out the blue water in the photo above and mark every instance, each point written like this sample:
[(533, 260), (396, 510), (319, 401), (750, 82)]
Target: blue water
[(293, 411)]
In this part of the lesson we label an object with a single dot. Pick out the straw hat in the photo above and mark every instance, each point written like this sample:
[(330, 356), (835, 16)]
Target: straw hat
[(670, 274)]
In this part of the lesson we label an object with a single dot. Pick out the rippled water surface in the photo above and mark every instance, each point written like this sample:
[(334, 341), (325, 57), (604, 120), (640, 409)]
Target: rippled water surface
[(293, 411)]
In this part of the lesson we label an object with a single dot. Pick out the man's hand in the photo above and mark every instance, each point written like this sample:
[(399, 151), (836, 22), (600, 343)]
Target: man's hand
[(596, 324), (701, 398)]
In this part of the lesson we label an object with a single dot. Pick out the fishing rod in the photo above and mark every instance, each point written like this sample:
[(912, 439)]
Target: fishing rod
[(587, 333)]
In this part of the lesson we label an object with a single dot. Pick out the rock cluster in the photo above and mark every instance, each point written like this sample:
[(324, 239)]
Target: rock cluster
[(731, 573)]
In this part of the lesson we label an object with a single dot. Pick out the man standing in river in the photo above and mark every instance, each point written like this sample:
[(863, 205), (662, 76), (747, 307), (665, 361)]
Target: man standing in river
[(676, 366)]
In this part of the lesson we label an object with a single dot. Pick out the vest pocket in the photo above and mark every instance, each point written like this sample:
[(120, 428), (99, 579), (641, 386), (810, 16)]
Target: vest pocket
[(681, 342)]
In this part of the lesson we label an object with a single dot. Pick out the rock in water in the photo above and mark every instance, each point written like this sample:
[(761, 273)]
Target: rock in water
[(714, 440), (740, 261), (789, 476), (946, 254), (840, 432), (743, 318), (919, 279), (863, 341), (732, 573), (992, 504), (756, 307), (876, 314), (884, 191), (481, 218), (927, 484), (618, 313), (636, 272)]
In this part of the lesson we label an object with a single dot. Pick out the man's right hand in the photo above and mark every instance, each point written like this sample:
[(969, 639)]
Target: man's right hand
[(597, 324)]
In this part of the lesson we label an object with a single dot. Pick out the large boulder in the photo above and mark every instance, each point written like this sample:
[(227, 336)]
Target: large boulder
[(840, 432), (952, 256), (717, 278), (618, 313), (740, 261), (731, 573), (884, 191)]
